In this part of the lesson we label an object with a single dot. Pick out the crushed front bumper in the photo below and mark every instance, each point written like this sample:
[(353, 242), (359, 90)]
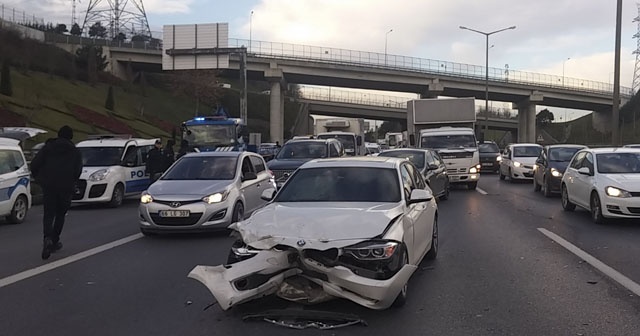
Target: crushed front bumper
[(264, 273)]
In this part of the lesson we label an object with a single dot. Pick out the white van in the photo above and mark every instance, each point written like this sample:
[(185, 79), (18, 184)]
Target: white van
[(15, 182), (113, 168)]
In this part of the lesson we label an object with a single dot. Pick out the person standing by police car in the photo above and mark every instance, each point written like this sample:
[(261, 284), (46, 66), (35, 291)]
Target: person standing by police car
[(168, 155), (57, 168), (155, 162)]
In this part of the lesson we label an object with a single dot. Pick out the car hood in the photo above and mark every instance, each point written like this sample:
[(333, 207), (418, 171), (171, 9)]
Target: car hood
[(525, 160), (286, 164), (629, 182), (87, 171), (316, 224), (493, 155), (199, 188)]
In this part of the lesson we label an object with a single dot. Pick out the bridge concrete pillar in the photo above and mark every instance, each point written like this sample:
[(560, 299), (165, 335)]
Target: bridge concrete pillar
[(276, 104), (527, 117)]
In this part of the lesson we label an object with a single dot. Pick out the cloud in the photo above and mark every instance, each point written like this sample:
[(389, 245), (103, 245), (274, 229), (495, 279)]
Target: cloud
[(547, 32)]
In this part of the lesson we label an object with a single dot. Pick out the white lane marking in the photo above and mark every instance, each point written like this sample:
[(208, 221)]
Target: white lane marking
[(59, 263), (599, 265), (481, 191)]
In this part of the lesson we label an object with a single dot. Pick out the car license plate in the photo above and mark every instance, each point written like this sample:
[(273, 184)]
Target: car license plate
[(454, 178), (174, 213), (487, 164)]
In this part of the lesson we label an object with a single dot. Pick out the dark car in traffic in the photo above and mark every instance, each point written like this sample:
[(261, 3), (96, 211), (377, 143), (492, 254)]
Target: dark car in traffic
[(489, 157), (431, 167), (551, 165), (294, 153)]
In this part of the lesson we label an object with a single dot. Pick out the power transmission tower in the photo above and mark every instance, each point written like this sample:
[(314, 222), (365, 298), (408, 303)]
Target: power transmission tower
[(126, 17), (636, 71), (74, 19)]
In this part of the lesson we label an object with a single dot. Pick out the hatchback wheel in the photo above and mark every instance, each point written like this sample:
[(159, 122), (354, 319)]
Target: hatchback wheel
[(536, 186), (238, 212), (433, 252), (500, 174), (18, 211), (566, 203), (546, 188), (596, 209)]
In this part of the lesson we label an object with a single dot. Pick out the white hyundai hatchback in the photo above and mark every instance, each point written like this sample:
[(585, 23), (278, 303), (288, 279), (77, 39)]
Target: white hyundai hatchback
[(605, 181)]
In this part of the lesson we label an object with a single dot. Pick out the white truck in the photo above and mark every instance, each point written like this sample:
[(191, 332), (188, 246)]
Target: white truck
[(448, 126), (349, 131), (396, 139)]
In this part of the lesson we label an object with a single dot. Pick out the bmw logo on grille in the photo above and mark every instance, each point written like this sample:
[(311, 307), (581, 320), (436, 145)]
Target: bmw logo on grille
[(301, 242), (175, 204)]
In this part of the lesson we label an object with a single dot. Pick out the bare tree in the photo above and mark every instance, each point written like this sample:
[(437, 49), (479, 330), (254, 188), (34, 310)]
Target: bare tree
[(199, 84)]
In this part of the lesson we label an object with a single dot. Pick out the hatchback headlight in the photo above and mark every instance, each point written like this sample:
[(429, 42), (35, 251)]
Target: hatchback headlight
[(146, 198), (617, 192), (556, 173), (216, 198), (99, 175), (517, 164), (374, 250), (499, 158)]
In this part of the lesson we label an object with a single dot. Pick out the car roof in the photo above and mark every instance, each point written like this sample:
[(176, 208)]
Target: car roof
[(358, 161), (525, 145), (311, 140), (565, 146), (448, 129), (407, 150), (115, 142), (613, 150), (334, 132), (8, 143), (223, 154)]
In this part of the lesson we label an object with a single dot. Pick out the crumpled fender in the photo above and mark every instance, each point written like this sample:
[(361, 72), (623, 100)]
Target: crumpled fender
[(219, 279)]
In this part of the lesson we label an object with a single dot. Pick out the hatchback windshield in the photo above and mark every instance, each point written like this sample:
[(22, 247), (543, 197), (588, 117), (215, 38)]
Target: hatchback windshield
[(203, 168), (562, 154), (341, 184), (416, 157), (303, 150), (618, 163), (449, 141), (488, 148), (526, 151), (100, 156)]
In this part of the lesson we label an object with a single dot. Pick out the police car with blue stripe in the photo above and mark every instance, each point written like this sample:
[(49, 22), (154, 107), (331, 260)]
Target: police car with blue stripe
[(113, 169), (15, 181)]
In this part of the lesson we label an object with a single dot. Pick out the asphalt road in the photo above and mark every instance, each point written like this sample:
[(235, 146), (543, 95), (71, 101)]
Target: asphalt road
[(496, 274)]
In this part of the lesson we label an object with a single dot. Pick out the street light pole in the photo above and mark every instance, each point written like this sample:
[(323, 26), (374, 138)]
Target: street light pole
[(385, 45), (615, 123), (250, 30), (486, 79), (563, 62)]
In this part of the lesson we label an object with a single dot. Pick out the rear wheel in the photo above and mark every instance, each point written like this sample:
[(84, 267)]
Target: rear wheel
[(19, 210), (117, 196), (596, 209), (566, 204), (546, 188)]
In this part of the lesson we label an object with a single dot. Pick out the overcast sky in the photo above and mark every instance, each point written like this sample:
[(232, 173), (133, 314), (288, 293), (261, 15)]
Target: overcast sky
[(548, 31)]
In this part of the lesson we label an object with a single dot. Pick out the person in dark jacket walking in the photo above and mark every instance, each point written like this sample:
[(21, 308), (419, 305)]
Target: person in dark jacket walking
[(57, 168), (155, 162), (168, 155)]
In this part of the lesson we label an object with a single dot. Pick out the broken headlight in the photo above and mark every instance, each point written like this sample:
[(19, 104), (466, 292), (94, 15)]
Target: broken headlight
[(373, 250)]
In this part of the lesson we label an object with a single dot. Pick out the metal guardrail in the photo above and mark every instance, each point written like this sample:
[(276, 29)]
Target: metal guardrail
[(70, 39)]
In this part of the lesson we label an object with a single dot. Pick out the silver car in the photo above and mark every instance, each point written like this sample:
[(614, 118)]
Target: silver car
[(205, 191)]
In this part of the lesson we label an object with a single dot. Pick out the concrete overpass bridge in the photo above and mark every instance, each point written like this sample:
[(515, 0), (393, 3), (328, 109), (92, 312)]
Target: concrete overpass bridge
[(282, 64)]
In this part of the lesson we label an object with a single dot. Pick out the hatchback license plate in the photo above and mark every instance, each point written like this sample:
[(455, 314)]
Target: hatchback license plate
[(174, 213)]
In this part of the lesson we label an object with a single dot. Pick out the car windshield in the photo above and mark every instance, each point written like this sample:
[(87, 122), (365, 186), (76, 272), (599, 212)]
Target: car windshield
[(348, 141), (563, 154), (488, 148), (210, 135), (303, 150), (449, 141), (416, 157), (101, 156), (526, 151), (342, 184), (618, 163), (203, 168)]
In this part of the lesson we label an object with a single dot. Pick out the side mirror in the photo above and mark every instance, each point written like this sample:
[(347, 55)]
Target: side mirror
[(128, 164), (268, 194), (585, 171), (249, 176), (432, 166), (412, 140), (359, 140), (419, 196)]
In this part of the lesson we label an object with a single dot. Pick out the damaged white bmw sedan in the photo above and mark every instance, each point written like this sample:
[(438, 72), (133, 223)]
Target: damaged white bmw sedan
[(339, 228)]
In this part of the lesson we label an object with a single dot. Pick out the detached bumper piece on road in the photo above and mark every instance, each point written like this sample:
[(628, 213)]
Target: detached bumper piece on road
[(303, 319), (297, 276)]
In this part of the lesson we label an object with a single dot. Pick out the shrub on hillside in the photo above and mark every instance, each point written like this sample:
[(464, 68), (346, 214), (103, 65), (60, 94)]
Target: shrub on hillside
[(109, 123), (5, 81), (10, 118), (109, 104)]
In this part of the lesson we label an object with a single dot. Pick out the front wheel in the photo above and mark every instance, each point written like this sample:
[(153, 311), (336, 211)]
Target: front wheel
[(18, 211), (117, 196), (566, 203), (433, 252), (596, 209), (401, 299), (536, 186), (447, 190), (546, 188), (238, 212)]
